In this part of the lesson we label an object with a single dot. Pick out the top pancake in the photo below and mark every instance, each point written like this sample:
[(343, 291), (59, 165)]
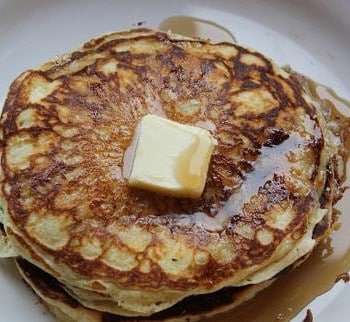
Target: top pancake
[(66, 128)]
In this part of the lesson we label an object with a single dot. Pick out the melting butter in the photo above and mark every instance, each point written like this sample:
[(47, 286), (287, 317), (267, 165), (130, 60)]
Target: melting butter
[(171, 158)]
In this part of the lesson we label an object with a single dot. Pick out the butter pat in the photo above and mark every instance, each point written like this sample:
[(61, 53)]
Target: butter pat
[(171, 158)]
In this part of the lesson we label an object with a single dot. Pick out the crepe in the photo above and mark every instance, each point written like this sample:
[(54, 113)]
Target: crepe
[(67, 128)]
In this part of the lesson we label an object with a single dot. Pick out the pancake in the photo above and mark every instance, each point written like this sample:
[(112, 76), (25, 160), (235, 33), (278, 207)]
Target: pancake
[(65, 308), (67, 130)]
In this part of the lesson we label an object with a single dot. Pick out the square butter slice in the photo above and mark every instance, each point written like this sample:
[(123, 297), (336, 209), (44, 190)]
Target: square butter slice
[(171, 158)]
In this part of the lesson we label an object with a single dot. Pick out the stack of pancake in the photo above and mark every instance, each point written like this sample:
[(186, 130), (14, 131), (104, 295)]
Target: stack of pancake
[(94, 248)]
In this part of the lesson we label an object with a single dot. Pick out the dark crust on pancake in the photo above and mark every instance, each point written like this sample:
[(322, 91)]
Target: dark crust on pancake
[(46, 283), (194, 306), (253, 147), (198, 305)]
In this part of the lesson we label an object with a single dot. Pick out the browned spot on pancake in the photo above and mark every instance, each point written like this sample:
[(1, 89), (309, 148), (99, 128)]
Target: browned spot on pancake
[(97, 286)]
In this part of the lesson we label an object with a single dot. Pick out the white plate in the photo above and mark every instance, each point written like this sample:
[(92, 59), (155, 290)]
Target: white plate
[(312, 36)]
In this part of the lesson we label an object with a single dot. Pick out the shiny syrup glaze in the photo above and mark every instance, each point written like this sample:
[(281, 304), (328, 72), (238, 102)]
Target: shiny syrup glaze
[(271, 161), (287, 296)]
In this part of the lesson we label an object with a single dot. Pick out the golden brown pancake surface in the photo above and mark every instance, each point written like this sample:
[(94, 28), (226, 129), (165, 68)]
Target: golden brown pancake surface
[(68, 125)]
